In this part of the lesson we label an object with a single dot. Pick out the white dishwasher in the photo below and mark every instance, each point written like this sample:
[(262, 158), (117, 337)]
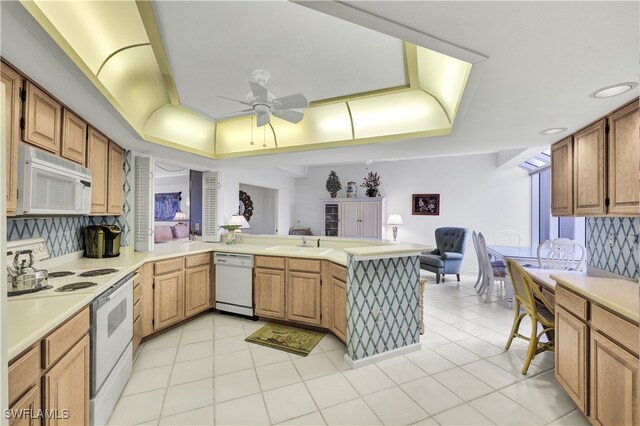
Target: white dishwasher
[(234, 282)]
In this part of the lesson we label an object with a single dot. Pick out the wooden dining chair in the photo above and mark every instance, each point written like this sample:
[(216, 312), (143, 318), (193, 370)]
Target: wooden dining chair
[(530, 301)]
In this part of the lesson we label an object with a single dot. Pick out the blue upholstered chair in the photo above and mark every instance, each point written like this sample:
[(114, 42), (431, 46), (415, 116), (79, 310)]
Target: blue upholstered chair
[(447, 258)]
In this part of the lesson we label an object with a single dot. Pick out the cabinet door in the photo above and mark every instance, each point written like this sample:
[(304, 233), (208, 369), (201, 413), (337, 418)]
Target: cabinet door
[(168, 299), (339, 301), (74, 137), (66, 386), (571, 356), (304, 297), (624, 188), (350, 218), (588, 171), (115, 185), (43, 116), (197, 284), (269, 296), (331, 220), (13, 84), (370, 220), (29, 403), (614, 384), (97, 160), (562, 177)]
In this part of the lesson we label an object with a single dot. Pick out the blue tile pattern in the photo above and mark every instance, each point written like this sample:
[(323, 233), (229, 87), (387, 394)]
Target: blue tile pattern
[(622, 258), (390, 286), (128, 192), (63, 234)]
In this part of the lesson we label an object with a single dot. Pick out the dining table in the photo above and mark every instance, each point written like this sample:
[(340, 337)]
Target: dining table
[(523, 255)]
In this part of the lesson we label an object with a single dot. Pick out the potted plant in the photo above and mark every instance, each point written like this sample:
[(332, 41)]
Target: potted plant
[(333, 184), (371, 183), (231, 232)]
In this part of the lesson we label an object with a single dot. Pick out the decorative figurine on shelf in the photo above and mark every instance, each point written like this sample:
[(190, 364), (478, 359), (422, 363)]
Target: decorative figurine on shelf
[(371, 183), (333, 184), (231, 233), (352, 190)]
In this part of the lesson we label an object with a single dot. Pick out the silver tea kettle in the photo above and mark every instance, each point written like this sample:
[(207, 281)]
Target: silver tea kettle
[(23, 275)]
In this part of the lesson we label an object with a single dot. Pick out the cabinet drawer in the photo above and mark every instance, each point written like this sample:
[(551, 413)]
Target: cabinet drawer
[(24, 372), (61, 340), (615, 327), (137, 279), (137, 334), (137, 309), (167, 266), (137, 292), (304, 265), (197, 260), (339, 272), (571, 302), (269, 262)]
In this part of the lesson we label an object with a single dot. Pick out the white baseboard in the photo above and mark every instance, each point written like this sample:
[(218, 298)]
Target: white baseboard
[(381, 356)]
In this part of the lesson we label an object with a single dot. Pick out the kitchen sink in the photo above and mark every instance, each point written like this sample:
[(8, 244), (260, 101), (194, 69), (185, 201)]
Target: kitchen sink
[(299, 249)]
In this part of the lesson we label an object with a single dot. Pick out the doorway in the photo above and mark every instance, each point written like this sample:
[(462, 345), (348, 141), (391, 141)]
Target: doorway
[(259, 205)]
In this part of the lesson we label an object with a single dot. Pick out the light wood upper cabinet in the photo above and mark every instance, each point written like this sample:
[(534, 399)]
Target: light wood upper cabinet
[(30, 402), (571, 356), (12, 87), (304, 297), (614, 384), (97, 161), (168, 299), (74, 137), (624, 161), (66, 386), (339, 309), (588, 170), (562, 177), (115, 181), (43, 117), (197, 285), (269, 292)]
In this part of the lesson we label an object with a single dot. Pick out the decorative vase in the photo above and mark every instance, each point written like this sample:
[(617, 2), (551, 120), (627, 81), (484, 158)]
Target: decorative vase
[(334, 194), (352, 190), (372, 192)]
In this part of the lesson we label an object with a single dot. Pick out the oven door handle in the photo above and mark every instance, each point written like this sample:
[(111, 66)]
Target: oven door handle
[(113, 291)]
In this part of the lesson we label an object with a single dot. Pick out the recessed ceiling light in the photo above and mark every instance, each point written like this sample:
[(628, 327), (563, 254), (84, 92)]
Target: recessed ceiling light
[(553, 131), (613, 90)]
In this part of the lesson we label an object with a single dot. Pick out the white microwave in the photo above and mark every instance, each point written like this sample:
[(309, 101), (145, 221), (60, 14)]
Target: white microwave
[(51, 185)]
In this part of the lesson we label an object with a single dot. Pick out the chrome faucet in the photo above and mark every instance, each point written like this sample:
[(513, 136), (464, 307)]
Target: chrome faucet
[(304, 241)]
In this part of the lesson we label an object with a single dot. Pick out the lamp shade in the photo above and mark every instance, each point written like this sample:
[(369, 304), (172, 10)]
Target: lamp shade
[(238, 219), (180, 216), (395, 219)]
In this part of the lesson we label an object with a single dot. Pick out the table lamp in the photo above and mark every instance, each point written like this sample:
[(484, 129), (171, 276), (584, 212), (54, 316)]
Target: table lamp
[(395, 220), (238, 219), (181, 216)]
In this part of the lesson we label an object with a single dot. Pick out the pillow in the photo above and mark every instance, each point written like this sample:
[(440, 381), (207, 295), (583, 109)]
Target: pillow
[(163, 234), (180, 230)]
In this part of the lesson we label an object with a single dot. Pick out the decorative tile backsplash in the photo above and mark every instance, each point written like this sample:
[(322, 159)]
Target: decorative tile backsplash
[(620, 259), (64, 234), (382, 305)]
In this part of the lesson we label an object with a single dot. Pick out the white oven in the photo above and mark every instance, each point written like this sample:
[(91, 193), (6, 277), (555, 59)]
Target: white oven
[(51, 185), (111, 357)]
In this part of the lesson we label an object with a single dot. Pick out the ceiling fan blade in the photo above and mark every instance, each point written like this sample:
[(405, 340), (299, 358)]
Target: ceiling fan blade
[(242, 112), (263, 119), (292, 101), (289, 115), (259, 90), (235, 100)]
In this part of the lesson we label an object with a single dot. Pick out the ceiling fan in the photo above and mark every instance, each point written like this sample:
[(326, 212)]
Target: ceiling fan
[(263, 103)]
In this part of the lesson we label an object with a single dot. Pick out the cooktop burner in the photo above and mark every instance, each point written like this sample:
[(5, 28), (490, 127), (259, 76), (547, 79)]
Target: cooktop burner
[(76, 286), (28, 291), (98, 272), (60, 274)]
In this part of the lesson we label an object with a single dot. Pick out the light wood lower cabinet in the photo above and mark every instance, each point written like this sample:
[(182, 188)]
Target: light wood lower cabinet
[(168, 299), (571, 356), (66, 387), (269, 293), (614, 383), (146, 299), (29, 403), (339, 309), (304, 297), (197, 287)]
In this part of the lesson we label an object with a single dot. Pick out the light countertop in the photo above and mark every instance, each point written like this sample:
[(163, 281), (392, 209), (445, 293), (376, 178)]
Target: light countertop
[(33, 318)]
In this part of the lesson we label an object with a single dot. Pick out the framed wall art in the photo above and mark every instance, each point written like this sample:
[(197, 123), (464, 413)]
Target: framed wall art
[(425, 204)]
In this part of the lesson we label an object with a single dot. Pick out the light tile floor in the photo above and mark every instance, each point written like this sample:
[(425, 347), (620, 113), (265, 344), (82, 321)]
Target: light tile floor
[(204, 373)]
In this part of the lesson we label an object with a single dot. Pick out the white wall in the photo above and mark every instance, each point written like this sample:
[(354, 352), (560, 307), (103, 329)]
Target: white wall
[(162, 184), (269, 178), (474, 193), (263, 219)]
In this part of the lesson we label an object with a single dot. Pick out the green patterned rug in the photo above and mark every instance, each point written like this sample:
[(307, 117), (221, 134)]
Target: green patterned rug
[(285, 338)]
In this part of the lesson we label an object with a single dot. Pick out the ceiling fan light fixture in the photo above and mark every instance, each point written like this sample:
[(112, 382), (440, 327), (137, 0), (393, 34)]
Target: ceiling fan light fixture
[(552, 131), (613, 90)]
